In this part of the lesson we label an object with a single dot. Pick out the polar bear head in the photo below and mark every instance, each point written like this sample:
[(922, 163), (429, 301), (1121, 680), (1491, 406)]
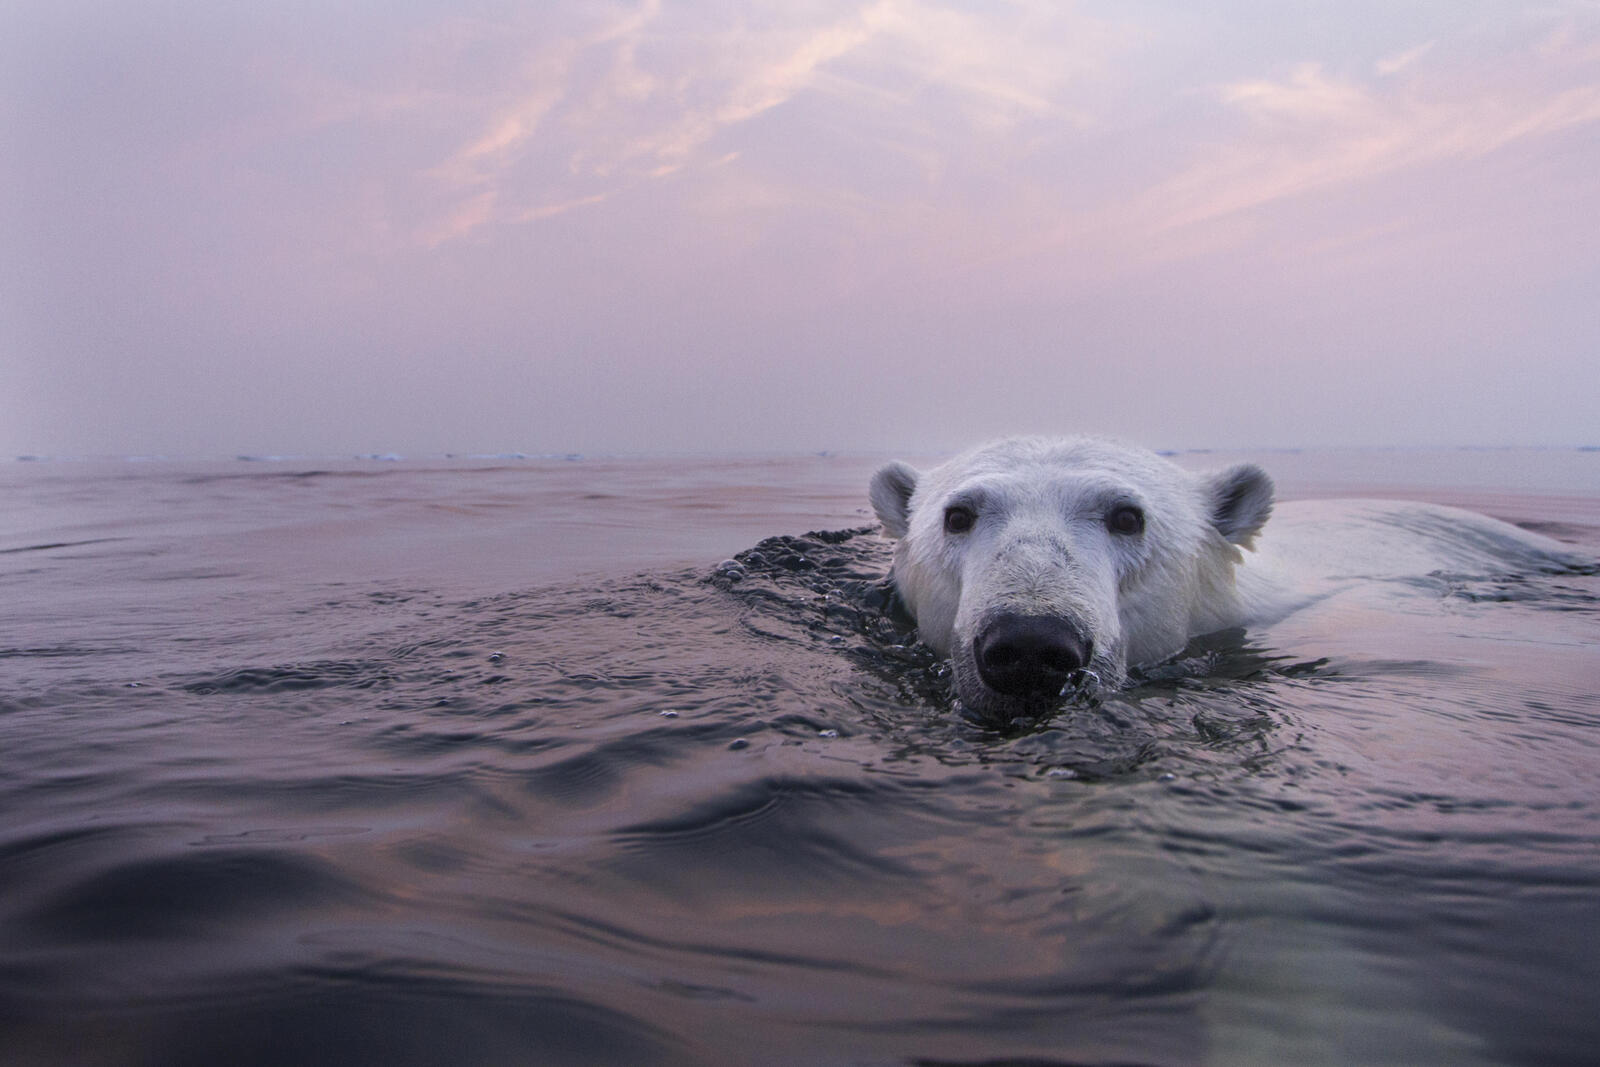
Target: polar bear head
[(1031, 561)]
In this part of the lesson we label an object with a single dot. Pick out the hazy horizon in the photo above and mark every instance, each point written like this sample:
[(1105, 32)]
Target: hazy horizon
[(614, 228), (924, 455)]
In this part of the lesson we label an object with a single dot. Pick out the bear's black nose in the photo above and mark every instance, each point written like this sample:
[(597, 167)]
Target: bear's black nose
[(1029, 655)]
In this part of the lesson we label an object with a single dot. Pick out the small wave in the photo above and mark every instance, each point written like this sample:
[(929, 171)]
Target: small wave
[(169, 895), (355, 674), (48, 546)]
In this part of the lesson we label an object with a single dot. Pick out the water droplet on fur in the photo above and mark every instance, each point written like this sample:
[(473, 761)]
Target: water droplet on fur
[(668, 714), (828, 733), (1061, 772), (738, 743), (496, 657)]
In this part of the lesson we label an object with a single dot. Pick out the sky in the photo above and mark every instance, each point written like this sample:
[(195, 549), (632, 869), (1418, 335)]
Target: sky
[(712, 226)]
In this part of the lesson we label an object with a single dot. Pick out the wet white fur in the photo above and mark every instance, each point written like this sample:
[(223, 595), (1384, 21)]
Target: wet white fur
[(1041, 546)]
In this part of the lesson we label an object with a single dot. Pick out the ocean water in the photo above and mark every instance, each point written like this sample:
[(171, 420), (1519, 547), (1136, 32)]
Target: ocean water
[(497, 762)]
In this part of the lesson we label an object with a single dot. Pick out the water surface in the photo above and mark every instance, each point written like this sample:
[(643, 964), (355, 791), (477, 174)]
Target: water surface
[(491, 762)]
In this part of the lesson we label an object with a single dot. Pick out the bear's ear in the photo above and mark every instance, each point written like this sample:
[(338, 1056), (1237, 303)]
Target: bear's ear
[(891, 493), (1240, 499)]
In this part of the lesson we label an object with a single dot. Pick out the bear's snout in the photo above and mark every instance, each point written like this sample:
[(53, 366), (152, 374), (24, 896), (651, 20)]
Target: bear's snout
[(1030, 655)]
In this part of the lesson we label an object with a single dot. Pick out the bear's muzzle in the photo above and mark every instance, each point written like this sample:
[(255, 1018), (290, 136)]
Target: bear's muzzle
[(1032, 657)]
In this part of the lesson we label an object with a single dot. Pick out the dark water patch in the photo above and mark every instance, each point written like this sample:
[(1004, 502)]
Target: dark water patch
[(354, 1015), (438, 647), (185, 895), (283, 835), (194, 574), (1021, 1061), (295, 677), (58, 651), (754, 801), (844, 572), (342, 784), (714, 949), (48, 546), (773, 838), (1537, 591), (589, 777), (831, 589), (37, 867), (259, 476), (1582, 715)]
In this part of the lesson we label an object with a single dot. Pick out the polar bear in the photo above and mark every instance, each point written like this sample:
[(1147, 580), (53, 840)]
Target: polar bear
[(1038, 565)]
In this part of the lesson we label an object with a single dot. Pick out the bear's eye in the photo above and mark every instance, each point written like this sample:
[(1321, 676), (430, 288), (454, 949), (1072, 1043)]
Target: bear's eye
[(1126, 520), (959, 519)]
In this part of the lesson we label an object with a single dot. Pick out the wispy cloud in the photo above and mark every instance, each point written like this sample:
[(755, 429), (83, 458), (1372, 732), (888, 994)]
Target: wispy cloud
[(651, 94), (467, 216), (547, 211), (1001, 128), (1394, 64), (1312, 130)]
